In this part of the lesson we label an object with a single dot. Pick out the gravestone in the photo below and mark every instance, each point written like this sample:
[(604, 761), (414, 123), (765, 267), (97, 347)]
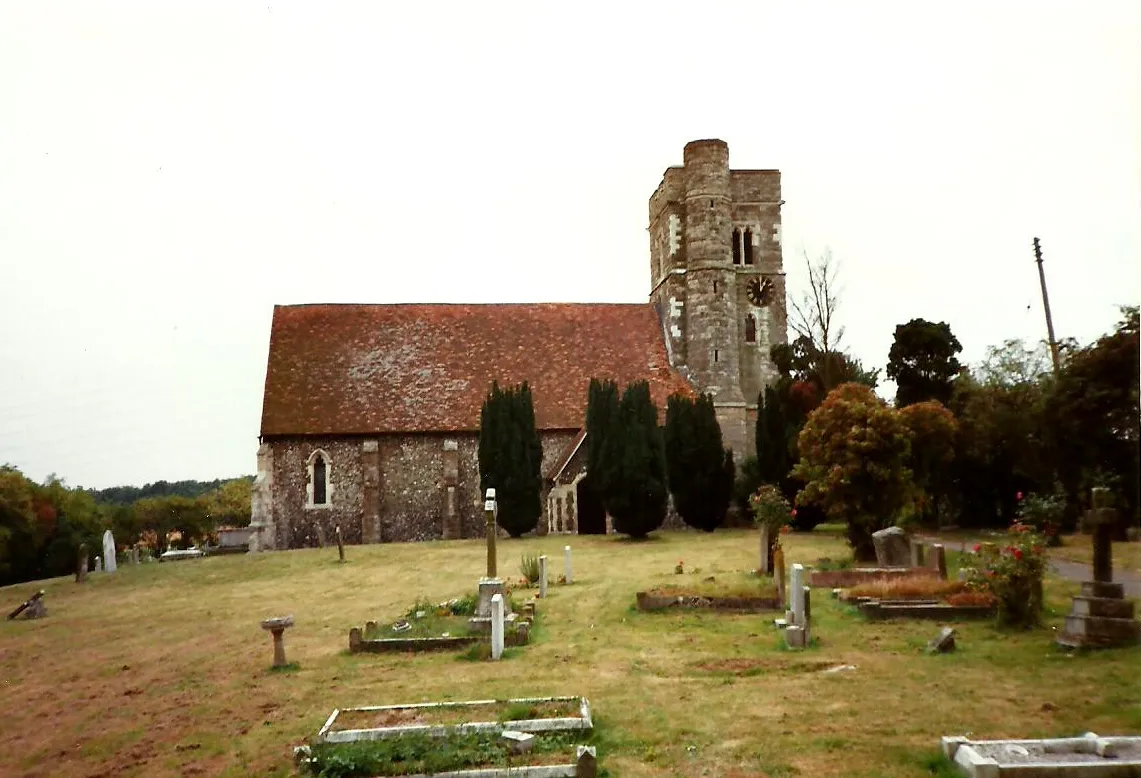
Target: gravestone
[(796, 595), (109, 553), (795, 636), (135, 555), (567, 564), (807, 613), (586, 762), (893, 547), (916, 553), (939, 560), (99, 564), (81, 562), (943, 643), (542, 575), (763, 567), (497, 626)]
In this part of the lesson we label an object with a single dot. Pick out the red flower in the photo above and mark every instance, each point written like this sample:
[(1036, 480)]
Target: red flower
[(1018, 496), (1018, 553), (978, 547), (793, 513), (785, 529)]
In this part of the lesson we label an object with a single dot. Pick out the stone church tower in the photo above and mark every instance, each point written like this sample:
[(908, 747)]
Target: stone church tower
[(717, 280)]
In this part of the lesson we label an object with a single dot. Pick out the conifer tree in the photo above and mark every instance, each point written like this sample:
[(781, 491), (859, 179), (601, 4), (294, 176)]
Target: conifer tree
[(602, 435), (510, 457), (637, 494), (697, 462)]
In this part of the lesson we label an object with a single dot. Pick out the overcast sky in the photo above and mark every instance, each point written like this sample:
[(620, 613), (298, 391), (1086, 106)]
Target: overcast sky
[(170, 171)]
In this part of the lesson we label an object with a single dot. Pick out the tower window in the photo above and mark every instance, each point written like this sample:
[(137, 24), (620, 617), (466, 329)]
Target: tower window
[(748, 246), (736, 246), (750, 329), (716, 355), (714, 287)]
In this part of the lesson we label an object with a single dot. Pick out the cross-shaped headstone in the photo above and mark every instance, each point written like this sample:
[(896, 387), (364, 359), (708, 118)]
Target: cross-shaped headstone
[(1102, 516)]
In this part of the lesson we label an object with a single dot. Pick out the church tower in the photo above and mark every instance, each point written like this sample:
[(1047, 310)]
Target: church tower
[(717, 280)]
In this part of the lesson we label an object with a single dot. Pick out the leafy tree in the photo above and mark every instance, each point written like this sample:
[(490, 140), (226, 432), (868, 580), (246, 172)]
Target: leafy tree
[(1093, 415), (854, 452), (510, 457), (231, 503), (638, 495), (701, 485), (922, 362), (782, 411), (17, 521), (933, 429)]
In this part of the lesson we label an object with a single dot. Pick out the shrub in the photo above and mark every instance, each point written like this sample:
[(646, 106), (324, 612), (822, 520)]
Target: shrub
[(971, 598), (1043, 512), (700, 471), (529, 567), (1013, 574), (770, 509)]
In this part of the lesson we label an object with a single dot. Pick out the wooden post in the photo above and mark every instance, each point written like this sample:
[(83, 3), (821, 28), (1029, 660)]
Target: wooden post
[(778, 568), (340, 544), (489, 511), (1046, 307)]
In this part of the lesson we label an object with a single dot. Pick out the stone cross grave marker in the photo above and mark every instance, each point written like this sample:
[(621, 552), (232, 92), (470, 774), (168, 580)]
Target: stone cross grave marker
[(496, 626), (796, 595), (33, 608), (542, 575), (110, 557), (567, 564), (1101, 515)]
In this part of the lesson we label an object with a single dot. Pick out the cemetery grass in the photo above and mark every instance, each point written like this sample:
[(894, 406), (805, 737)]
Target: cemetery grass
[(163, 670)]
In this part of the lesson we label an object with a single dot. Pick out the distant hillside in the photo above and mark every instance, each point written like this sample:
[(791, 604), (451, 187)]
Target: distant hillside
[(125, 495)]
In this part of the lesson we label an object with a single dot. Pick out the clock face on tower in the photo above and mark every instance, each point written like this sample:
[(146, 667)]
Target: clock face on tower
[(760, 291)]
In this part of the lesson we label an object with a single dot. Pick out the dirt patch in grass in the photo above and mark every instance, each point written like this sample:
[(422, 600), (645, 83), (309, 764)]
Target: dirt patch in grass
[(752, 666)]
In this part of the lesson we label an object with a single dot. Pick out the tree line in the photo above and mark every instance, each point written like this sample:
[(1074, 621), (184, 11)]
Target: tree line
[(42, 525)]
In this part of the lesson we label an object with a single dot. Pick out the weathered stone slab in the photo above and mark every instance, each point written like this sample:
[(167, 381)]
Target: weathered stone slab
[(110, 555), (497, 626), (893, 547), (942, 643)]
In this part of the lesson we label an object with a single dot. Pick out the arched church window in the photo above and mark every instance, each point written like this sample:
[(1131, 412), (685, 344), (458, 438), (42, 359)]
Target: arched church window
[(748, 246), (750, 329), (319, 482), (736, 246)]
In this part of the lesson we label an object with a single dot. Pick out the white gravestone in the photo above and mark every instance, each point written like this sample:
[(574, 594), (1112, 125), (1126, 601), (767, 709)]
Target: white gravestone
[(796, 594), (99, 564), (543, 575), (109, 555), (567, 563), (497, 626), (763, 567)]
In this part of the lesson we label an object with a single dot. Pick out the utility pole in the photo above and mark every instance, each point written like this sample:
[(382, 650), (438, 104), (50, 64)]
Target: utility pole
[(1046, 306)]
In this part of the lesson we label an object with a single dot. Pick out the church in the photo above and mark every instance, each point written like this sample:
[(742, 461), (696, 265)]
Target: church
[(370, 416)]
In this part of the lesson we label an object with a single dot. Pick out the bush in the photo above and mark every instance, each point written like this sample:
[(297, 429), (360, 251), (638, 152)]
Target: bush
[(529, 567), (1013, 574), (747, 482), (1044, 514), (770, 509)]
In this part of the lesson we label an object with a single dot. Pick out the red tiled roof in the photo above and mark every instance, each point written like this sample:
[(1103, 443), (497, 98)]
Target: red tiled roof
[(366, 369)]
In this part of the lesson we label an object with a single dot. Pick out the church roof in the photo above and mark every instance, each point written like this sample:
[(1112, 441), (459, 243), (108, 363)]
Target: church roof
[(370, 369)]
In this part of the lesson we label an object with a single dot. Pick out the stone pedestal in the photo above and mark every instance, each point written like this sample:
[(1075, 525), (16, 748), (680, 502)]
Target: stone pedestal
[(277, 626)]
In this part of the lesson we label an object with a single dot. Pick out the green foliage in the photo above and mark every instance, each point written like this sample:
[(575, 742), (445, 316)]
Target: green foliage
[(932, 428), (637, 496), (770, 509), (603, 436), (125, 495), (922, 362), (700, 470), (1043, 512), (511, 457), (419, 753), (1013, 573), (748, 481), (854, 452), (529, 568)]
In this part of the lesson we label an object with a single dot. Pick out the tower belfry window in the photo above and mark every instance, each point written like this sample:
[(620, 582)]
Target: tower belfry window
[(736, 246), (748, 246), (750, 329)]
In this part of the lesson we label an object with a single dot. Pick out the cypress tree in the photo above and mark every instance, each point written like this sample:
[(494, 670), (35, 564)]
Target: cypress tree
[(602, 435), (697, 462), (638, 492), (510, 457)]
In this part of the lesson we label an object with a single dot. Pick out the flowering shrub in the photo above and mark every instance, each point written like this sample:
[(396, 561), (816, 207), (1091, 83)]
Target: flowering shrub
[(1044, 513), (770, 508), (1013, 574)]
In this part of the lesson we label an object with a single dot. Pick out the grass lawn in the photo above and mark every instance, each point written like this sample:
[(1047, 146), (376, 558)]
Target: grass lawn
[(163, 670)]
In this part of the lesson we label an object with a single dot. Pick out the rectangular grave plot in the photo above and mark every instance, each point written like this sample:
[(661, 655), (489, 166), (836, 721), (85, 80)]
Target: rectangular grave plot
[(1089, 756), (441, 718)]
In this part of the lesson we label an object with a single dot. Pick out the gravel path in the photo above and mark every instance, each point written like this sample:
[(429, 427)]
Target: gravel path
[(1076, 571)]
